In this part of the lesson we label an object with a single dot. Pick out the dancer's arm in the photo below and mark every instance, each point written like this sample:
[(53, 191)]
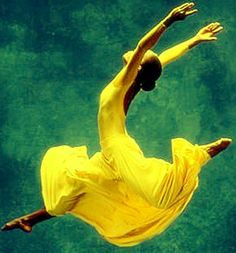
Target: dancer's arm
[(129, 72), (207, 33)]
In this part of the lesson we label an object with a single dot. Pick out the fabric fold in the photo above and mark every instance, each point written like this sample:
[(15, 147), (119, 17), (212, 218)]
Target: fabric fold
[(125, 196)]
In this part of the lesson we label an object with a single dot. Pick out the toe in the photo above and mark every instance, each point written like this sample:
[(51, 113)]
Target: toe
[(225, 142), (4, 227), (25, 227), (8, 226), (228, 140)]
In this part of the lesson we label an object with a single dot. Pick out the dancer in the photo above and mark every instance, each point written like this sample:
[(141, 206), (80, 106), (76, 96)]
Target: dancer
[(127, 197)]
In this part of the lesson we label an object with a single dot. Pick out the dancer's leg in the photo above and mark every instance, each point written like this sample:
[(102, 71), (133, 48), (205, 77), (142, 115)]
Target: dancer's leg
[(216, 147), (26, 222)]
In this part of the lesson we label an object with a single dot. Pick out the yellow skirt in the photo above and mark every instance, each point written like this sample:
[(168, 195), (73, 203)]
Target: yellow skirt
[(60, 189), (125, 196)]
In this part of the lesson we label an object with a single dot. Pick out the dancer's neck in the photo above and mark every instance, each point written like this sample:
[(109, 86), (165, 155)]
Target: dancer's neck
[(130, 95)]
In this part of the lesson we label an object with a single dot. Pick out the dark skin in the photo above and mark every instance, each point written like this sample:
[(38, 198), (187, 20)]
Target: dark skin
[(130, 95), (26, 222)]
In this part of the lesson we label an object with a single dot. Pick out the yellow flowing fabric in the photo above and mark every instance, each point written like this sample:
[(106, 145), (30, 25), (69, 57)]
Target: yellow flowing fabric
[(126, 207), (125, 196)]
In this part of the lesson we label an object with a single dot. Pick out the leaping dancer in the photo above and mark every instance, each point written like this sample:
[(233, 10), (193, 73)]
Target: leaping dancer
[(125, 196)]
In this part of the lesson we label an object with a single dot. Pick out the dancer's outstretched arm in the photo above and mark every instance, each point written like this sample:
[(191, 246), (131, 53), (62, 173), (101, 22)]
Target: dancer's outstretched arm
[(207, 33), (129, 72)]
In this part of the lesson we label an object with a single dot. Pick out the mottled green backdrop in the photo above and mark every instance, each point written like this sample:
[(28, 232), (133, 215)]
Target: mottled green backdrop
[(56, 56)]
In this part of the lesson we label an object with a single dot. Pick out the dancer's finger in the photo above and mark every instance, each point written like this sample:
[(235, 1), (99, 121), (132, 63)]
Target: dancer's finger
[(188, 13), (217, 30)]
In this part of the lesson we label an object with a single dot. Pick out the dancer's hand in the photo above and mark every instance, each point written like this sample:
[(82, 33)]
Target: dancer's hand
[(180, 13), (208, 33)]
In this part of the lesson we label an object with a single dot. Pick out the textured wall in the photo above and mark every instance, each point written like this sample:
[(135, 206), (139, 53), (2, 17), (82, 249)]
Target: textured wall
[(55, 57)]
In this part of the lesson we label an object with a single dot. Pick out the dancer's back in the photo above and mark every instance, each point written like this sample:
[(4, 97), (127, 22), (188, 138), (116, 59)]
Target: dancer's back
[(127, 197), (111, 116)]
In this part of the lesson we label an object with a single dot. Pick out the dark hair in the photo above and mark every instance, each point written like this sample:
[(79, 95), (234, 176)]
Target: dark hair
[(148, 74)]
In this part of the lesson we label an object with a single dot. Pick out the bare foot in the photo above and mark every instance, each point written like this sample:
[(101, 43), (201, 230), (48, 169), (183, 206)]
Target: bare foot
[(20, 223), (216, 147)]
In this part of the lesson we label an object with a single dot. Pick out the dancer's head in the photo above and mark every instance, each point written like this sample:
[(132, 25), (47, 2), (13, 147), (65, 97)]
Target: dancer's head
[(149, 70)]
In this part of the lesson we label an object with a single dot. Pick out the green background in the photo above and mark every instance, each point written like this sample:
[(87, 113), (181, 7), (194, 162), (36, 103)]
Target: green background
[(56, 56)]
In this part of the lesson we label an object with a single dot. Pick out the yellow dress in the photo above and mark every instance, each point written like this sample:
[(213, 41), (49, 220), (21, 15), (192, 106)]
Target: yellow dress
[(125, 196)]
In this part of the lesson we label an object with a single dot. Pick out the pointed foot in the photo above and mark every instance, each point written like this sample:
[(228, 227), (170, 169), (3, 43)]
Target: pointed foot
[(218, 146), (17, 223)]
